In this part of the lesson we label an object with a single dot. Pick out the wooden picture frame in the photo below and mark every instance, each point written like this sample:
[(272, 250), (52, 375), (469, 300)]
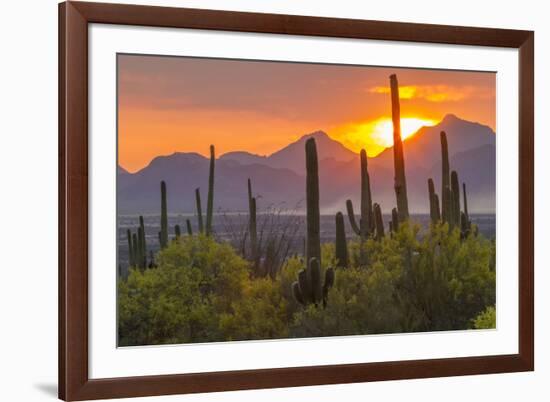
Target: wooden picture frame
[(74, 381)]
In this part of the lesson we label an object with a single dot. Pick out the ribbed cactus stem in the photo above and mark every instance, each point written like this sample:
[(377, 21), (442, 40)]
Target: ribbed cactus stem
[(455, 188), (465, 203), (448, 206), (366, 223), (163, 216), (210, 202), (199, 209), (310, 287), (351, 216), (431, 196), (379, 222), (445, 178), (131, 261), (395, 220), (140, 256), (177, 231), (341, 252), (135, 249), (313, 243), (253, 234), (436, 208), (189, 228), (400, 183), (143, 242)]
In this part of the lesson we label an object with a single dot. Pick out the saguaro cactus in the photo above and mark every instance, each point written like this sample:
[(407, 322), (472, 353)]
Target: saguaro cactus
[(163, 216), (310, 288), (131, 261), (135, 249), (394, 220), (313, 243), (177, 231), (379, 223), (140, 256), (253, 234), (445, 179), (143, 260), (467, 216), (341, 243), (400, 183), (210, 202), (436, 208), (189, 228), (199, 209), (432, 198), (366, 221), (455, 188)]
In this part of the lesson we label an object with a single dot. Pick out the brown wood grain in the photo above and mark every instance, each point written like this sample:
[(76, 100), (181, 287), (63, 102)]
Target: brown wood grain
[(74, 382)]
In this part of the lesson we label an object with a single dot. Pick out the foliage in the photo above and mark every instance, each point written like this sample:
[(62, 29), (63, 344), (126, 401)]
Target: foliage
[(202, 291), (486, 319)]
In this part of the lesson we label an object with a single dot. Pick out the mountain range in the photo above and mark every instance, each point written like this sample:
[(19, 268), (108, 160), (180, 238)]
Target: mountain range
[(279, 179)]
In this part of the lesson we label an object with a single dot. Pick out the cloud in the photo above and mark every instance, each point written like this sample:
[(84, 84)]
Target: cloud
[(437, 93)]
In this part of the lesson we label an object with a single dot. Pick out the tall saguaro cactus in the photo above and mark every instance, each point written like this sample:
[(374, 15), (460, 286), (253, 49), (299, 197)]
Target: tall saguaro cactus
[(394, 220), (199, 209), (131, 261), (163, 216), (400, 181), (143, 260), (313, 243), (366, 221), (341, 253), (445, 179), (253, 233), (210, 202), (465, 202), (189, 228), (455, 188)]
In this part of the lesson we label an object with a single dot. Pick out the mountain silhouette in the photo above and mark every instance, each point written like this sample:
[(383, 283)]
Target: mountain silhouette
[(279, 179)]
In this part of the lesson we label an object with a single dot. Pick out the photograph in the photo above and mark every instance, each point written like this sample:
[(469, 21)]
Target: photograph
[(267, 200)]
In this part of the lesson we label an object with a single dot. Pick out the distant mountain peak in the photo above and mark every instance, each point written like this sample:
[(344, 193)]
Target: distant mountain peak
[(319, 134)]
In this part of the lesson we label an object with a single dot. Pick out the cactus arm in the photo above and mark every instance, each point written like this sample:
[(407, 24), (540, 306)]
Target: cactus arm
[(296, 292), (351, 216), (395, 219)]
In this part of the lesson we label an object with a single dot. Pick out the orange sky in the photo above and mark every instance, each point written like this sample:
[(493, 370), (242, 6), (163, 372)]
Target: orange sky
[(169, 104)]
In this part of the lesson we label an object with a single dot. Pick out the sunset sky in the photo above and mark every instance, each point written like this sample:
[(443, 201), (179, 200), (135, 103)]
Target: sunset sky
[(179, 104)]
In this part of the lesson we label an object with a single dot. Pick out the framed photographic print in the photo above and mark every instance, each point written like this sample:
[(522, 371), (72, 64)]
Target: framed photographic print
[(257, 201)]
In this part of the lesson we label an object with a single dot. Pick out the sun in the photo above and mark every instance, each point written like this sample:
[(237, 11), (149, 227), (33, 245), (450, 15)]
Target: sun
[(381, 130)]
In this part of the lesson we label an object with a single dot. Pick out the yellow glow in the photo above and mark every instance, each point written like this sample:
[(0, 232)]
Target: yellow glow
[(381, 130), (376, 135)]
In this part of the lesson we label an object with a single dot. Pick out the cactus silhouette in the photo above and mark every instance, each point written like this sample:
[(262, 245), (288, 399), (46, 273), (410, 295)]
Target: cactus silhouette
[(378, 222), (313, 243), (143, 251), (310, 288), (366, 222), (199, 209), (466, 215), (394, 220), (252, 231), (434, 202), (341, 253), (163, 216), (135, 249), (210, 201), (400, 183), (131, 261), (177, 231), (189, 228), (445, 179), (456, 198)]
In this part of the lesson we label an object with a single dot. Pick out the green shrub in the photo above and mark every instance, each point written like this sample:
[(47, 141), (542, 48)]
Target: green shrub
[(486, 319)]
